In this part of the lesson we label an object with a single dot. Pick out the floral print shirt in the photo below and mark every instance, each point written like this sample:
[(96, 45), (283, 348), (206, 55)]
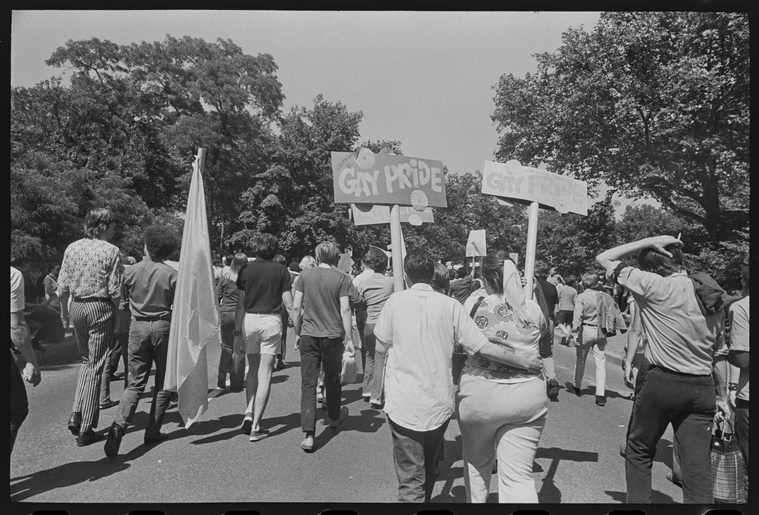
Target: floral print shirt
[(91, 268), (495, 317)]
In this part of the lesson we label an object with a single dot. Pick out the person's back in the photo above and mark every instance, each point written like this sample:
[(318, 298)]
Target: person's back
[(567, 296), (461, 288), (322, 288)]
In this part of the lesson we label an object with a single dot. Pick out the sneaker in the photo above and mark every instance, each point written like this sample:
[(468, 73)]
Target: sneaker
[(258, 435), (307, 444), (113, 443), (377, 405), (572, 389), (343, 415), (553, 389), (247, 423), (600, 400)]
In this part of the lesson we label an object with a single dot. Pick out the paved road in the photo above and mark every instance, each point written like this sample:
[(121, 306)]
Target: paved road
[(577, 462)]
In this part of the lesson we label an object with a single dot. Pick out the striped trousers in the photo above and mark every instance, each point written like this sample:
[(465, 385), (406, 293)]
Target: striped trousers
[(93, 322)]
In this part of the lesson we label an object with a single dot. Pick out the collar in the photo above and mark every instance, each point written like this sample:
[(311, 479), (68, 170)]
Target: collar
[(324, 265), (421, 286)]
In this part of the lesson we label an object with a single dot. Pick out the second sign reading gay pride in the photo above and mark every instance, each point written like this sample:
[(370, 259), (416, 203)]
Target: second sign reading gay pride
[(368, 178)]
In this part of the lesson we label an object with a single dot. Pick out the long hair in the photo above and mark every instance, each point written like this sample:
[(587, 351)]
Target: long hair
[(238, 262), (651, 261), (439, 280)]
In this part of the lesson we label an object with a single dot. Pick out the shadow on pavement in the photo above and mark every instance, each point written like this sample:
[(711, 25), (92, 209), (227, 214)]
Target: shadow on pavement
[(63, 476), (656, 497), (549, 493)]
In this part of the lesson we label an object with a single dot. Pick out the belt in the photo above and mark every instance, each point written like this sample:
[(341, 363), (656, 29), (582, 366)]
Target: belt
[(152, 319), (675, 372), (590, 325), (261, 313), (92, 299)]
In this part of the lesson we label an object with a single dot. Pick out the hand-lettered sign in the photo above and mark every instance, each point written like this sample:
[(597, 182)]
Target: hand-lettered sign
[(475, 245), (381, 215), (514, 181), (367, 178)]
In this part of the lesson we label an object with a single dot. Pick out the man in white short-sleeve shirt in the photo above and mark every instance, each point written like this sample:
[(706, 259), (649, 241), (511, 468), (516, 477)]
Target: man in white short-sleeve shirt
[(418, 328), (21, 339)]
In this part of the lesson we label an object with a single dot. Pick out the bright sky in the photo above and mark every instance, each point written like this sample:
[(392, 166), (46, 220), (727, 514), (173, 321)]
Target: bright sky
[(423, 78)]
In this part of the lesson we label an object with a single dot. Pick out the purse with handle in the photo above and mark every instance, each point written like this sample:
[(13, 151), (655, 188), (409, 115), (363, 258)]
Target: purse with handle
[(727, 466)]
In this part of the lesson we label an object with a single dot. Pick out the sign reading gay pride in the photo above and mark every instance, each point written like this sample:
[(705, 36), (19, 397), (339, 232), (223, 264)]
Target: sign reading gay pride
[(550, 190), (381, 215), (369, 178)]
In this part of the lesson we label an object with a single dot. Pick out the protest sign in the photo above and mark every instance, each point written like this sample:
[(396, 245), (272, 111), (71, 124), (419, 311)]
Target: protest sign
[(381, 215), (367, 178), (475, 245), (514, 257), (553, 191)]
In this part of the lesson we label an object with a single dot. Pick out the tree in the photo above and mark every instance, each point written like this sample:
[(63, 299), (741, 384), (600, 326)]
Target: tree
[(653, 103)]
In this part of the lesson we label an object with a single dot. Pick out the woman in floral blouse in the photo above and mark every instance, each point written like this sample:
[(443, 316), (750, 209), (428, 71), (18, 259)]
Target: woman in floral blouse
[(501, 409), (91, 273)]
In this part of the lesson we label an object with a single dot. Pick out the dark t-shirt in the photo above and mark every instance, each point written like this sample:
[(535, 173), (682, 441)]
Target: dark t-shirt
[(322, 289), (461, 288), (263, 283), (551, 295)]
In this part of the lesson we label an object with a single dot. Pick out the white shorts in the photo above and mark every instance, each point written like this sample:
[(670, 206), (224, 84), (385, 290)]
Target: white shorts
[(262, 334)]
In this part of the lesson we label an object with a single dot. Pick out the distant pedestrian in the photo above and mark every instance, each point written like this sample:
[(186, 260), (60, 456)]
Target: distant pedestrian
[(464, 284), (232, 357), (91, 273), (551, 296), (325, 329), (265, 286), (567, 295), (590, 329), (148, 293), (685, 382), (282, 354)]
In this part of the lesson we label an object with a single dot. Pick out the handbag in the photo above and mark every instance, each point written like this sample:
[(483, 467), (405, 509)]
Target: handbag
[(727, 466), (349, 372)]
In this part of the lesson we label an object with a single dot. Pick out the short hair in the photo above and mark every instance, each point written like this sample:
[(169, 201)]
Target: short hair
[(377, 261), (439, 280), (236, 264), (96, 221), (327, 252), (264, 246), (279, 258), (462, 272), (419, 266), (652, 261), (161, 241), (590, 280), (294, 267), (542, 269), (492, 269), (570, 280), (228, 259), (307, 262)]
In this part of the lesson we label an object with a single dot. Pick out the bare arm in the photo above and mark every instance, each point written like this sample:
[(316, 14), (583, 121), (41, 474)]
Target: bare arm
[(634, 338), (297, 315), (608, 258), (500, 351), (22, 340), (345, 311), (240, 310)]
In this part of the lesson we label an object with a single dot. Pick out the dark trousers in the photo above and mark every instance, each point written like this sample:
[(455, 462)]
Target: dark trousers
[(361, 327), (741, 430), (19, 400), (93, 326), (688, 403), (415, 454), (283, 346), (148, 344), (232, 358), (546, 341), (368, 347), (315, 352)]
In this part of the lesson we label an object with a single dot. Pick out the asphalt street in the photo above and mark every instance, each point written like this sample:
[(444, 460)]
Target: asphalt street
[(577, 461)]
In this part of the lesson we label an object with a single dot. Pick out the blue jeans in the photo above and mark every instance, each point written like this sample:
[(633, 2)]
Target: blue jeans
[(415, 454), (688, 403), (19, 400), (148, 344), (313, 353)]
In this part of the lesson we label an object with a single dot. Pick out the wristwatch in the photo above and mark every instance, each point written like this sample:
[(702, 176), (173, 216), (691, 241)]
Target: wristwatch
[(733, 387)]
